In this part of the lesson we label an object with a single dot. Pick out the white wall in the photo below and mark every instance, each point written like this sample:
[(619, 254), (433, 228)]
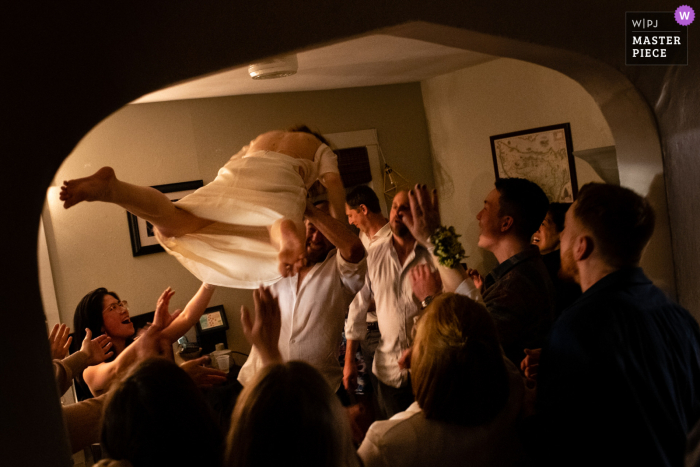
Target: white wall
[(466, 107), (160, 143)]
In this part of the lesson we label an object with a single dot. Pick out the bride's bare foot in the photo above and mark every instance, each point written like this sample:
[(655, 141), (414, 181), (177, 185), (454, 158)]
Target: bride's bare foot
[(96, 187), (292, 256)]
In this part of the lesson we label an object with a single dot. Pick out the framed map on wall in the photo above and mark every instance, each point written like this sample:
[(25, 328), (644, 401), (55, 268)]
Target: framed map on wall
[(542, 155)]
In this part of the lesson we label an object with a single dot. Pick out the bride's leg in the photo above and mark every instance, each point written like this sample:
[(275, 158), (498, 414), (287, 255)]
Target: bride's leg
[(142, 201)]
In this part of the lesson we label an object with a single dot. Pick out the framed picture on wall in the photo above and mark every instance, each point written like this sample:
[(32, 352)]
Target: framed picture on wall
[(143, 240), (542, 155), (213, 319)]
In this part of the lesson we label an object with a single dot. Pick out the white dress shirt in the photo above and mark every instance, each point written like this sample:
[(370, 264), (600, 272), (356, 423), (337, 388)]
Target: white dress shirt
[(312, 317), (367, 242), (384, 232), (388, 283)]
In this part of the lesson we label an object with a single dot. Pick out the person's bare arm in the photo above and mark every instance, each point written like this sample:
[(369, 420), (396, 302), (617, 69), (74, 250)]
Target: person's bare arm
[(165, 330), (355, 332), (350, 369), (180, 323), (348, 244), (336, 194)]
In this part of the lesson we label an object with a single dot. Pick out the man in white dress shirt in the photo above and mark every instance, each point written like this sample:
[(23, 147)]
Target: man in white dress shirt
[(389, 263), (363, 211), (313, 302)]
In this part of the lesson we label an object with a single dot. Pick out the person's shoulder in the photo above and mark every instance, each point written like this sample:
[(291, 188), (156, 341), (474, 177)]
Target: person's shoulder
[(393, 430), (526, 279)]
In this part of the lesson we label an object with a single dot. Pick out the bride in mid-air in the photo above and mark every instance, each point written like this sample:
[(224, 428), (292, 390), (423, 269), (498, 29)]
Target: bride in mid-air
[(246, 227)]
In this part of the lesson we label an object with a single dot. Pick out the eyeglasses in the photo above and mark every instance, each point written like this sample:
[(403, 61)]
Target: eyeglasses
[(113, 307)]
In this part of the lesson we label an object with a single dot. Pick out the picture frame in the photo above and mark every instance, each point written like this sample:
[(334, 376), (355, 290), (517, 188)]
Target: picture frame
[(143, 241), (542, 155), (213, 319)]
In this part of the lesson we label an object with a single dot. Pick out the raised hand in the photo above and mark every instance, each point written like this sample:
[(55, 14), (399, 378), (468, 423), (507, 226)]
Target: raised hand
[(425, 282), (203, 377), (425, 214), (263, 330), (162, 317), (60, 340), (96, 349)]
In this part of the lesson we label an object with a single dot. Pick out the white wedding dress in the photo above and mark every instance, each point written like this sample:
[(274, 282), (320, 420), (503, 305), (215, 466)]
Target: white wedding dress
[(250, 193)]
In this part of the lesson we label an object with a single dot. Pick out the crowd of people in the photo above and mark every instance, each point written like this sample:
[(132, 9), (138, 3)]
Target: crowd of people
[(564, 354)]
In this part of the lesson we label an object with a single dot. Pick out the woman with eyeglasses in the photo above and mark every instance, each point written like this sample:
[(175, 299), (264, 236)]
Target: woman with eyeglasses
[(103, 312)]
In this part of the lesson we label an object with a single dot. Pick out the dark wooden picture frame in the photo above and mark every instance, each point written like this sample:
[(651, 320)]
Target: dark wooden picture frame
[(143, 242), (521, 153), (214, 314)]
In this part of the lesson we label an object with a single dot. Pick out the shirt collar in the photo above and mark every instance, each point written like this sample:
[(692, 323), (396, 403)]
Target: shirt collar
[(629, 275), (502, 269), (415, 252), (385, 231)]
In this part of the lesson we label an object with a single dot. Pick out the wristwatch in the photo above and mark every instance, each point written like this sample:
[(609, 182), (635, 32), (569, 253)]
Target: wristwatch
[(424, 304)]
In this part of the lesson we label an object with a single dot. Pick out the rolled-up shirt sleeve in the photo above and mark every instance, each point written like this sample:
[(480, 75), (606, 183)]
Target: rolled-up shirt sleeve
[(352, 275), (356, 324)]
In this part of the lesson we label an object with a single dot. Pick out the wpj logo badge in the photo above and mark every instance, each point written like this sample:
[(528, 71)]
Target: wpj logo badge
[(657, 38)]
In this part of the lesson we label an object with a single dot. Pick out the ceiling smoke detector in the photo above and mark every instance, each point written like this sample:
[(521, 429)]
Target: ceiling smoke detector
[(278, 67)]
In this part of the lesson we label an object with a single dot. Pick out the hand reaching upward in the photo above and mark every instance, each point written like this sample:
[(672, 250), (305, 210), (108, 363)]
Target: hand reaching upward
[(263, 331), (60, 340), (425, 213), (97, 349)]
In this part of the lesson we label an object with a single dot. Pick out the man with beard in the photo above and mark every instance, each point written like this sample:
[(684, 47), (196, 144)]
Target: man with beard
[(618, 381), (313, 302), (388, 283)]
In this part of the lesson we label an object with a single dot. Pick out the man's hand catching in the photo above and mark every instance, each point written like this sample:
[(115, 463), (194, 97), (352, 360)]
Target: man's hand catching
[(263, 330)]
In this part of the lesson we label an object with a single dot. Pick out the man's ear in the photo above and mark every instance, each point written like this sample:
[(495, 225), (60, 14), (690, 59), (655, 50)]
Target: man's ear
[(506, 223), (363, 209), (583, 247)]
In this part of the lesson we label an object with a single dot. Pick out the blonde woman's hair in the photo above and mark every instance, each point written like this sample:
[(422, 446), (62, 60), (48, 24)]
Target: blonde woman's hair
[(457, 367), (289, 416)]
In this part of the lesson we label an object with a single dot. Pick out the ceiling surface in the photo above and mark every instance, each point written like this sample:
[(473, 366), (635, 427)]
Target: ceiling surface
[(366, 61)]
